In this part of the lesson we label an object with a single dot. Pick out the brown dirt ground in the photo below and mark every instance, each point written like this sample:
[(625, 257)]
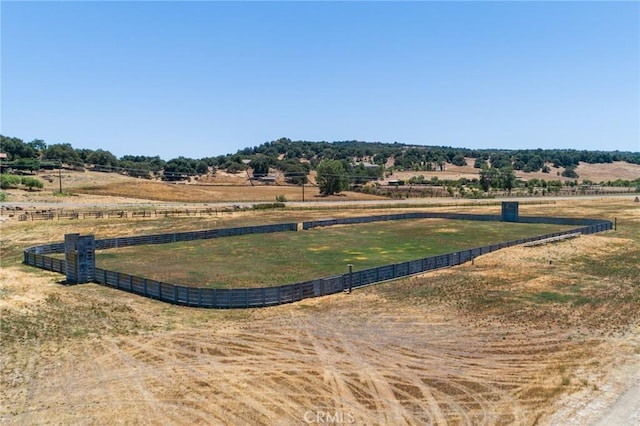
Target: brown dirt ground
[(395, 353)]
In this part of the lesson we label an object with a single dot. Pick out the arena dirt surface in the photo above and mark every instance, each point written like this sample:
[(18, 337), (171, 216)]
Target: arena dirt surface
[(466, 345)]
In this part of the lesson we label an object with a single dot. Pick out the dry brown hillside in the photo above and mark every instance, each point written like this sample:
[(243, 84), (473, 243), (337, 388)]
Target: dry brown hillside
[(224, 187)]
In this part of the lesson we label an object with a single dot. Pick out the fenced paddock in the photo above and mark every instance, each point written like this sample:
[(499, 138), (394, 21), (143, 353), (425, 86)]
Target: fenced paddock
[(38, 256)]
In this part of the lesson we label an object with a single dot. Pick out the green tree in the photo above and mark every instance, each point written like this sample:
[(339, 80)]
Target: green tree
[(480, 163), (507, 178), (534, 164), (15, 148), (260, 166), (459, 160), (179, 169), (30, 164), (38, 145), (101, 157), (570, 172), (499, 160), (202, 167), (331, 177), (63, 152), (488, 178), (31, 183)]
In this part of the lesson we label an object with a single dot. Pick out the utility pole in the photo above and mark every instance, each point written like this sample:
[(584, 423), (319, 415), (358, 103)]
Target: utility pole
[(60, 176)]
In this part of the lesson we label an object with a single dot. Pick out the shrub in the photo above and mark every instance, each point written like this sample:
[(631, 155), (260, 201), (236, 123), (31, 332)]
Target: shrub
[(9, 181), (31, 183), (281, 198), (266, 206), (3, 196)]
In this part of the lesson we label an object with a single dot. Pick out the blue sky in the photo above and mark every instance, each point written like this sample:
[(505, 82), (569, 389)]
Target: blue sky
[(202, 79)]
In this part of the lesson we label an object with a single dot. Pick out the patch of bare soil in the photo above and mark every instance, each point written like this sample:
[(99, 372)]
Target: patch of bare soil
[(485, 343)]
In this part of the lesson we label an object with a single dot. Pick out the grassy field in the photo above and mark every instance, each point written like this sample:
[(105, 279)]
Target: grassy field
[(289, 257), (543, 335)]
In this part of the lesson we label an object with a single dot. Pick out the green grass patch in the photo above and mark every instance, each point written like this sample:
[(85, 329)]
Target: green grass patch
[(287, 257)]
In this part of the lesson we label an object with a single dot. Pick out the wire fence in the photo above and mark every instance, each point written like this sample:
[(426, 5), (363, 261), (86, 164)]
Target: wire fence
[(118, 214), (34, 214), (38, 256)]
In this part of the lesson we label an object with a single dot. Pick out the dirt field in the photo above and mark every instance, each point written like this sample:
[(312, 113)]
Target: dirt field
[(541, 335)]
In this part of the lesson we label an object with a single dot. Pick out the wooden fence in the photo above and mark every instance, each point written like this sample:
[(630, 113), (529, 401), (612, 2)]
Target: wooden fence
[(268, 296)]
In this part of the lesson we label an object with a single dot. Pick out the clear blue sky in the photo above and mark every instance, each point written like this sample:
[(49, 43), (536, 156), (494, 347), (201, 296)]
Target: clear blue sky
[(202, 79)]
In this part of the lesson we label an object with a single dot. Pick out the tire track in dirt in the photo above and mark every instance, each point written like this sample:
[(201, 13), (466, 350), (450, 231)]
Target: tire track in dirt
[(379, 367)]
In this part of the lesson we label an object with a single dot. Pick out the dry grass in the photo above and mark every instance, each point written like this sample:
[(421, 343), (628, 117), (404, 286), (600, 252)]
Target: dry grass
[(109, 187), (504, 341), (95, 187), (593, 172)]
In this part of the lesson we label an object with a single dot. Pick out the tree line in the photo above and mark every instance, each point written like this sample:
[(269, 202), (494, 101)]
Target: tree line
[(349, 162)]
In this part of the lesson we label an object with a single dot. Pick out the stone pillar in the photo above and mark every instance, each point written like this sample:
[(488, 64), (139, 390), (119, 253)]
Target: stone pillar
[(80, 256), (510, 211)]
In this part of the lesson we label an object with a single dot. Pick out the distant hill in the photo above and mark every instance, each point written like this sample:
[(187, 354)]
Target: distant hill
[(295, 159)]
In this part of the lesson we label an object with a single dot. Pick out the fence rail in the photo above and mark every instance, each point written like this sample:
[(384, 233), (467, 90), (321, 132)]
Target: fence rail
[(268, 296), (61, 214)]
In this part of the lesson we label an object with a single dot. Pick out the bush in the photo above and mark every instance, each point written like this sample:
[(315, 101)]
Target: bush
[(570, 172), (3, 196), (9, 181), (31, 183), (281, 198), (266, 206)]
